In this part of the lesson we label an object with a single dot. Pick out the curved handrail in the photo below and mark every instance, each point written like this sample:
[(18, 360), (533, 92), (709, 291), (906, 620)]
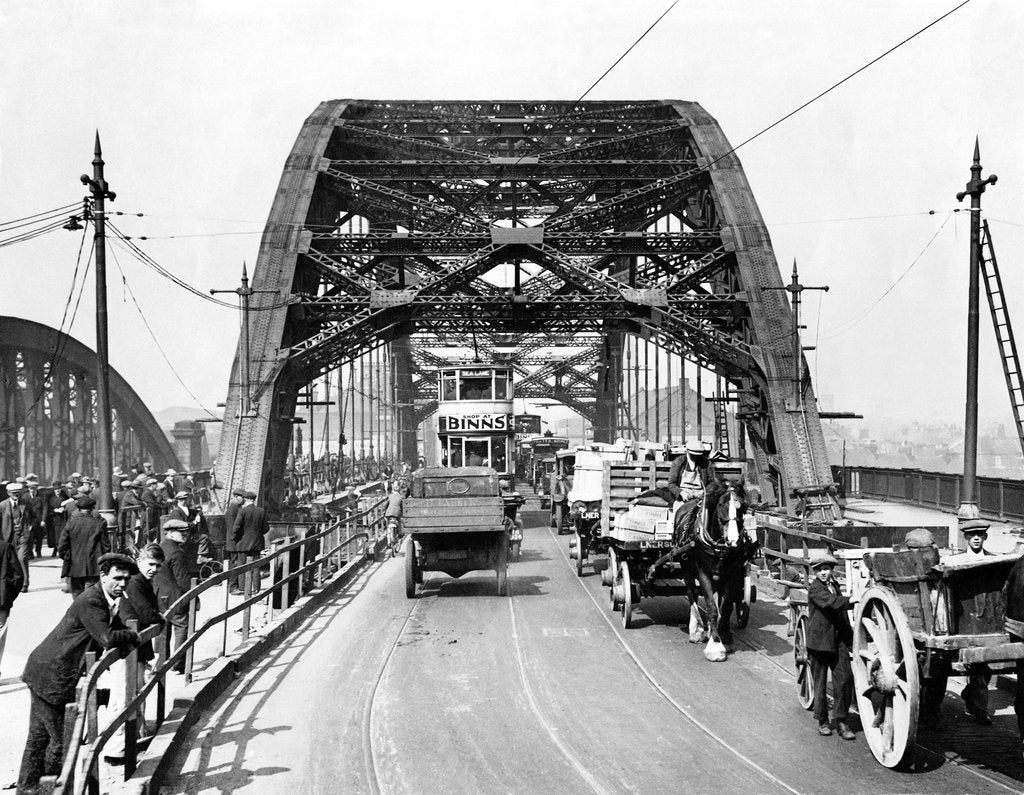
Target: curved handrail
[(73, 756)]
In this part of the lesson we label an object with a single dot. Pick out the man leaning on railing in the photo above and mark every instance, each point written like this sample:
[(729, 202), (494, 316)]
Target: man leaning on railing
[(55, 665)]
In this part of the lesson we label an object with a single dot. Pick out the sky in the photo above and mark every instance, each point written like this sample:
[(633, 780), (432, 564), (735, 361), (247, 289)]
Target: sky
[(198, 105)]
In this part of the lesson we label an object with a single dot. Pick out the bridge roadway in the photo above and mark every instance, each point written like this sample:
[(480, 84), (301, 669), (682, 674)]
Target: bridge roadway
[(463, 691)]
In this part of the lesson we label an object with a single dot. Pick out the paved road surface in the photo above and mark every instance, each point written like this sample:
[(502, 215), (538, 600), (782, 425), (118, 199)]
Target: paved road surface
[(463, 691)]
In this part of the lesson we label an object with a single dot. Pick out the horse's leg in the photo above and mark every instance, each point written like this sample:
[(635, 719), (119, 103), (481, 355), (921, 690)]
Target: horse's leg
[(714, 651), (689, 572), (731, 594)]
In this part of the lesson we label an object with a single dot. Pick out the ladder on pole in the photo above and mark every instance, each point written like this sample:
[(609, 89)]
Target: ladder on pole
[(722, 417), (1004, 331)]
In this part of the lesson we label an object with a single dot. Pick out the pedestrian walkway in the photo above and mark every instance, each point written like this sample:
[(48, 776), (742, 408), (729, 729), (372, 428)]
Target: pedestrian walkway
[(35, 613)]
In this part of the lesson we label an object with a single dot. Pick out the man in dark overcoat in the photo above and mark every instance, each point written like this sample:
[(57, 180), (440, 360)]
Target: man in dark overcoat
[(141, 602), (91, 623), (10, 586), (38, 508), (81, 545), (247, 535), (13, 527), (829, 639), (174, 579)]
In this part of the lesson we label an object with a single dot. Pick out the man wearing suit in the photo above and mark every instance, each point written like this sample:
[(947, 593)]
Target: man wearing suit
[(829, 638), (13, 527), (174, 579), (82, 543), (141, 602), (38, 507), (10, 586), (247, 535), (91, 623)]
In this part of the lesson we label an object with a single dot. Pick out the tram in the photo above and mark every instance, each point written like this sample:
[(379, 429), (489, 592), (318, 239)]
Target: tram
[(537, 456), (475, 416)]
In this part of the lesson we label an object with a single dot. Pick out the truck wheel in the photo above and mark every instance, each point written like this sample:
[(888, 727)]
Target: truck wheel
[(559, 522), (515, 550), (411, 569), (502, 567)]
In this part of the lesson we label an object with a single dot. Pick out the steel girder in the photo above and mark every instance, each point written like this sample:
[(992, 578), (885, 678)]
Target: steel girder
[(456, 219), (48, 422)]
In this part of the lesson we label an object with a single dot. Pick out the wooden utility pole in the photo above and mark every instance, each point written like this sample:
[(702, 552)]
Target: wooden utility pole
[(100, 191), (969, 494)]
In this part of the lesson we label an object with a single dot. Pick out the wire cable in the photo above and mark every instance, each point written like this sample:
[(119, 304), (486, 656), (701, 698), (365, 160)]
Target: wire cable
[(836, 85), (31, 234), (55, 211), (844, 326), (156, 341)]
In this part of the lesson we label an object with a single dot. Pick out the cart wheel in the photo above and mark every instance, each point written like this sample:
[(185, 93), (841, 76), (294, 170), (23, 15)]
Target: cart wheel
[(742, 614), (608, 575), (579, 553), (516, 549), (885, 676), (804, 679), (627, 596), (559, 517), (615, 591), (502, 567), (412, 573)]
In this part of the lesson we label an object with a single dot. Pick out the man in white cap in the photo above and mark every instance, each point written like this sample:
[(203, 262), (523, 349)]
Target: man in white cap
[(688, 480)]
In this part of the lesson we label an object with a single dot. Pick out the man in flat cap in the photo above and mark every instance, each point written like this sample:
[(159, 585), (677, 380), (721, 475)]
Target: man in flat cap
[(247, 536), (829, 640), (174, 579), (81, 545), (91, 623), (10, 581), (13, 527), (688, 480)]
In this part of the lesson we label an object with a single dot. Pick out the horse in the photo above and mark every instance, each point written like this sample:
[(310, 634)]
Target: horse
[(718, 562)]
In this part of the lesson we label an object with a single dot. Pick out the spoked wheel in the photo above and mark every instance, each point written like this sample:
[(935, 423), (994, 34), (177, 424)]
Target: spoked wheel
[(502, 566), (743, 608), (804, 679), (516, 545), (885, 676), (627, 595), (579, 552), (412, 573)]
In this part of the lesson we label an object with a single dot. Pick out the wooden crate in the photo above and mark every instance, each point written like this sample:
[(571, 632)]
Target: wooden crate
[(624, 480)]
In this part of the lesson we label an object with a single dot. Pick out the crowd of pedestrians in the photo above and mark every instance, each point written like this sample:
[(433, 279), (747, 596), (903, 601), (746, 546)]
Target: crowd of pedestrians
[(133, 568)]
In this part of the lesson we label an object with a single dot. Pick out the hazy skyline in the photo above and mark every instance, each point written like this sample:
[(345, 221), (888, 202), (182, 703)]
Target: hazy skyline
[(198, 105)]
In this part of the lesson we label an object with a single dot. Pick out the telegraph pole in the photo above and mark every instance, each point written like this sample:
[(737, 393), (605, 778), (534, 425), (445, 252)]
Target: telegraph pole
[(795, 289), (100, 191), (969, 494), (244, 293)]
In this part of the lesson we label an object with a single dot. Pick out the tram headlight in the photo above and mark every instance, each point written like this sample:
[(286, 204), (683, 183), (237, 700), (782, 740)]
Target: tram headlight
[(579, 506)]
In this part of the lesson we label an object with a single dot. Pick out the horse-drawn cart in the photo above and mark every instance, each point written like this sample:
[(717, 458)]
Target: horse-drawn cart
[(921, 616), (455, 522)]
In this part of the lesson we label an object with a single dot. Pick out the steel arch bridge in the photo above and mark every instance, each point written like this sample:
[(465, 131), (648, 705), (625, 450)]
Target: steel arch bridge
[(48, 419), (541, 225)]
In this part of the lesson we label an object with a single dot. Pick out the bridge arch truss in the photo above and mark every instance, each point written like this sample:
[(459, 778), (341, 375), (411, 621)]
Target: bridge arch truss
[(48, 419), (416, 225)]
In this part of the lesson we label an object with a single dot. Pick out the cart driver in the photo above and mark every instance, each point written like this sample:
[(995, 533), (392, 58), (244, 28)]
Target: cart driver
[(688, 481)]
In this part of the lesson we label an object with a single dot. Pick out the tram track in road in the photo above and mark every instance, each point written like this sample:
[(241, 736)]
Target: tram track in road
[(687, 714), (763, 653)]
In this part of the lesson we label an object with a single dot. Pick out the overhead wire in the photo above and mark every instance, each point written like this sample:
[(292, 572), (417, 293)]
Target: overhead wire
[(844, 326), (31, 234), (834, 86), (55, 211), (156, 340)]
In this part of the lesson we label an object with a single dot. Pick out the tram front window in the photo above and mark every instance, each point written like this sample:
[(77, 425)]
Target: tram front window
[(448, 387), (477, 454), (476, 388)]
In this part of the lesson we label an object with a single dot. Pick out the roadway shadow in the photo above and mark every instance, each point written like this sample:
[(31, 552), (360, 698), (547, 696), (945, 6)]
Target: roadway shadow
[(529, 556), (445, 587)]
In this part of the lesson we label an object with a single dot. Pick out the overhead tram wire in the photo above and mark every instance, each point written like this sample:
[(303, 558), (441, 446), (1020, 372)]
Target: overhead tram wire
[(845, 325), (4, 225), (149, 262), (156, 341), (63, 335), (31, 234), (836, 85)]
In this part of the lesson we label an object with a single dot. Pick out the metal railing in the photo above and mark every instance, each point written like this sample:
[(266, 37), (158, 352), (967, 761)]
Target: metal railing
[(320, 555), (998, 498)]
